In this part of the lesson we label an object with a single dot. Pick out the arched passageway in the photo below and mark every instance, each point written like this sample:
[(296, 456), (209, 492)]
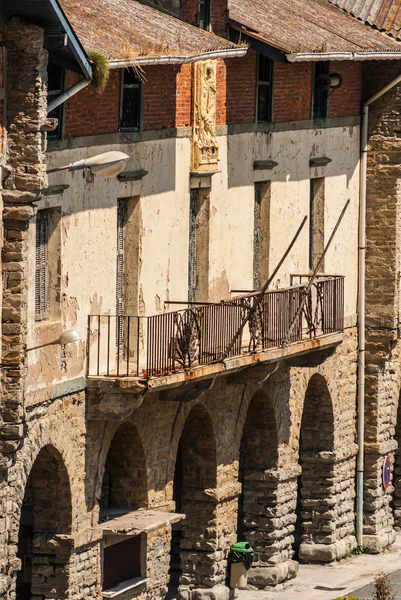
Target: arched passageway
[(315, 522), (124, 490), (194, 540), (46, 511), (125, 482), (257, 467)]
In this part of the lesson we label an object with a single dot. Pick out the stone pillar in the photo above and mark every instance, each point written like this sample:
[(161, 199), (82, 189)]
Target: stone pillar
[(269, 517), (27, 107), (25, 165), (327, 506)]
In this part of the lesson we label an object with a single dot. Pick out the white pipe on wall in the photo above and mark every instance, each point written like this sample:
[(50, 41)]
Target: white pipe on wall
[(67, 94)]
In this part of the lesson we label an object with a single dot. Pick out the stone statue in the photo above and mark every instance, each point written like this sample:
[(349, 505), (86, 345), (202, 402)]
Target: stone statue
[(205, 145)]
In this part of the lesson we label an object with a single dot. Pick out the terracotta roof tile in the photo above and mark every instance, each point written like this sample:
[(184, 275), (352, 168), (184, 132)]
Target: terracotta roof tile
[(125, 29), (298, 26)]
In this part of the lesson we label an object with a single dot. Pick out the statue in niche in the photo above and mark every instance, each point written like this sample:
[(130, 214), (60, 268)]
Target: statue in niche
[(205, 145)]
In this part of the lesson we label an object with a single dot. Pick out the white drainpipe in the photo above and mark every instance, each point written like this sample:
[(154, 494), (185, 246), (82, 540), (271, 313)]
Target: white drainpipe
[(361, 304), (67, 94)]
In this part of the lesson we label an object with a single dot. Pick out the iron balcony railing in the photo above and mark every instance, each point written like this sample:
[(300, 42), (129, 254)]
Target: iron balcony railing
[(177, 341)]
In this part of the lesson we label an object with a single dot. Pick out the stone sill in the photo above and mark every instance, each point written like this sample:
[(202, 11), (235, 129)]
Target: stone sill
[(124, 586)]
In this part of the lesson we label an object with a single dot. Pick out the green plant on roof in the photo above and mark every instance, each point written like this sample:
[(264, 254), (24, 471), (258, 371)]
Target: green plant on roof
[(100, 69)]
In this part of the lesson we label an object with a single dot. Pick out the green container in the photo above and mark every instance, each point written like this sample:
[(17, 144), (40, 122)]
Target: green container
[(241, 547)]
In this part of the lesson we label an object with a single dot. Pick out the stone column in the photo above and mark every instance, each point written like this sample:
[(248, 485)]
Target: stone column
[(270, 499), (25, 166), (327, 506)]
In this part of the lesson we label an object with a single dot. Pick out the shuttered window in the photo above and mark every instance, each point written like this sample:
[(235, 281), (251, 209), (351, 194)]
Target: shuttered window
[(121, 216), (256, 238), (41, 265), (130, 101), (193, 206)]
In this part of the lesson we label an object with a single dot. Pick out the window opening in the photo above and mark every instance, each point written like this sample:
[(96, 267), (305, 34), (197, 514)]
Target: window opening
[(316, 222), (204, 14), (121, 562), (193, 206), (121, 217), (265, 89), (256, 238), (55, 86), (130, 101), (320, 96), (41, 265)]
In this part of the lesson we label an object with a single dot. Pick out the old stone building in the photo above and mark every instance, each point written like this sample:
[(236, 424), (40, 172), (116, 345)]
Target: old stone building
[(191, 410)]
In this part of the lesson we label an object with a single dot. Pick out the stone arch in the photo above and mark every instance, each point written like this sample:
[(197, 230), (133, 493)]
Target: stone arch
[(195, 480), (46, 512), (124, 480), (315, 529), (49, 432), (258, 454)]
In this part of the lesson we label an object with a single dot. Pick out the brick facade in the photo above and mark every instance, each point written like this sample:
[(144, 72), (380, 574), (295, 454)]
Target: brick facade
[(241, 89), (346, 101), (184, 96), (292, 92), (159, 97), (91, 112)]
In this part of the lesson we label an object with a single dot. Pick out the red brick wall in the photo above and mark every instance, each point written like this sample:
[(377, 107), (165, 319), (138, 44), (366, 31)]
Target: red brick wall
[(292, 91), (183, 96), (90, 112), (346, 101), (241, 88), (159, 97), (189, 13), (221, 95)]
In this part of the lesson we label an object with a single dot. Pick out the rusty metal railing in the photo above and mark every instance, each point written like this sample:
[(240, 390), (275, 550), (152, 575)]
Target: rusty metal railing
[(145, 347)]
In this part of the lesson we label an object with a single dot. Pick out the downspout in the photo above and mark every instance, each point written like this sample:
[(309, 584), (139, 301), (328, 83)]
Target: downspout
[(77, 87), (361, 304)]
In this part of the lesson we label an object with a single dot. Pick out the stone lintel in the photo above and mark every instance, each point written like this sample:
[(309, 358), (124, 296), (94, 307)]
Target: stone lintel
[(264, 165), (132, 175)]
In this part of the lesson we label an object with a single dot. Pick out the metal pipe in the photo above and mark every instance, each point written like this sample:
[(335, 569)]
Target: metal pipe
[(362, 304), (67, 94), (318, 56), (178, 60)]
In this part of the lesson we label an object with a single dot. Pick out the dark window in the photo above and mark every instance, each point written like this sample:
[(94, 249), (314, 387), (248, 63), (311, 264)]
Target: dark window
[(41, 265), (121, 562), (193, 208), (55, 86), (320, 96), (265, 89), (130, 101), (204, 14), (121, 212)]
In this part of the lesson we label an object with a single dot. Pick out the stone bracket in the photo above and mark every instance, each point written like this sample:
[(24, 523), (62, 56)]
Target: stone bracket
[(112, 399)]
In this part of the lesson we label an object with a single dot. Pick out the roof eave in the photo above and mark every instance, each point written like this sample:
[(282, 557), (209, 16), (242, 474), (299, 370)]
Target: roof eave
[(178, 60), (76, 47)]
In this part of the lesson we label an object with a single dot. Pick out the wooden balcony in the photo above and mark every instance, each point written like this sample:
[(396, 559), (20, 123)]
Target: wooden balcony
[(164, 351)]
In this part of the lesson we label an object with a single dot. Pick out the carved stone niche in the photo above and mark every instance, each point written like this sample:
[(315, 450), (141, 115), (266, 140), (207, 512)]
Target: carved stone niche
[(205, 148)]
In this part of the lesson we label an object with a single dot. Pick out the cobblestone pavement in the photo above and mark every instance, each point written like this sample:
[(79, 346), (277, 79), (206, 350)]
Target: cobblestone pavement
[(352, 577)]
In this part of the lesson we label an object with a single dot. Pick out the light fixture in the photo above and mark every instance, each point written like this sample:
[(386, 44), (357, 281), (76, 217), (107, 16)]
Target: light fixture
[(325, 83), (108, 164), (67, 337)]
